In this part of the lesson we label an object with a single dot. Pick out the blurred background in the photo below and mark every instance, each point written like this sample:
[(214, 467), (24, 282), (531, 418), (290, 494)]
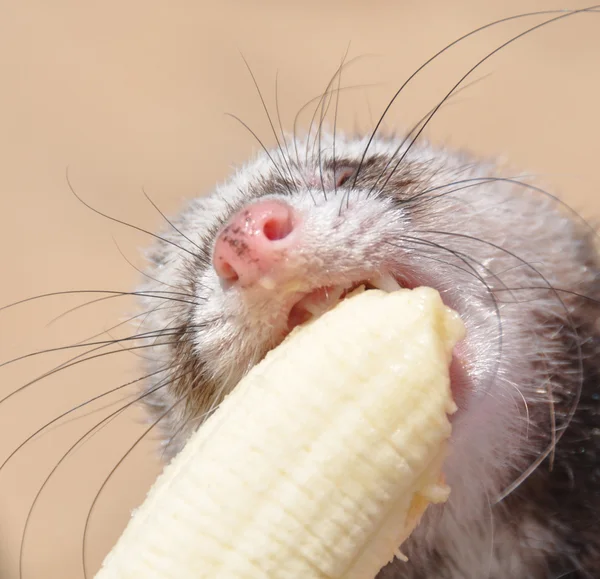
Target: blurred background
[(131, 94)]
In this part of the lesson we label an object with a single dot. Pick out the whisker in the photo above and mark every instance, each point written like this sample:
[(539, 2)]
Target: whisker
[(465, 256), (92, 411), (144, 335), (324, 111), (167, 330), (569, 320), (554, 289), (110, 475), (335, 120), (264, 148), (122, 323), (415, 127), (553, 427), (79, 441), (77, 362), (491, 547), (170, 222), (152, 294), (74, 409), (266, 109), (496, 307), (455, 266), (318, 98), (474, 181), (147, 275), (325, 94), (170, 332), (121, 222), (91, 303), (477, 65), (281, 131), (491, 291), (434, 57)]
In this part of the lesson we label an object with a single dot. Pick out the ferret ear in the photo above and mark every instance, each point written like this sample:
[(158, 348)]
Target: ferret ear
[(343, 174)]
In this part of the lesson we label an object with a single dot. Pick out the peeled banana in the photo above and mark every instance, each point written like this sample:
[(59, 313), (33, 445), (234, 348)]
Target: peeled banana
[(321, 461)]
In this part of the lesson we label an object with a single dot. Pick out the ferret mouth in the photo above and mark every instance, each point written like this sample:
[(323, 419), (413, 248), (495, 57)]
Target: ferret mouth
[(316, 302)]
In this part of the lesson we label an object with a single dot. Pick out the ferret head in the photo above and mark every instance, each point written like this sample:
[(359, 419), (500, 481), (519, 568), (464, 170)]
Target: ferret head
[(291, 233)]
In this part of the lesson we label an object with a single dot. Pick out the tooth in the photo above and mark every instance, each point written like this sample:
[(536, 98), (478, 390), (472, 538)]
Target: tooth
[(336, 292), (386, 283), (332, 297), (314, 309)]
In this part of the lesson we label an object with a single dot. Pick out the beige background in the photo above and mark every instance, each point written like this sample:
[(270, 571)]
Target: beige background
[(133, 93)]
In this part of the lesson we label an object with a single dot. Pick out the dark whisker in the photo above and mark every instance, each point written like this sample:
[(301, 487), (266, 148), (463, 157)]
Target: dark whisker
[(169, 221), (79, 441), (110, 475), (551, 289), (266, 109), (324, 95), (142, 336), (148, 276), (164, 332), (434, 57), (96, 301), (152, 294), (74, 409), (281, 131), (415, 127), (96, 410), (77, 362), (121, 222), (335, 121), (264, 148), (318, 98), (325, 104), (324, 110), (477, 65), (126, 321), (167, 330), (470, 183), (154, 334), (513, 267), (474, 181)]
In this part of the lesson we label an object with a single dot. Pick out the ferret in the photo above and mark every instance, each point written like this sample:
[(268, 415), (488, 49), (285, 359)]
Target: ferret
[(303, 224), (288, 236), (300, 226)]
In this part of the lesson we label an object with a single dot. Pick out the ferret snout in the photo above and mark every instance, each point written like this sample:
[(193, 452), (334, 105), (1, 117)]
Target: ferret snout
[(254, 241)]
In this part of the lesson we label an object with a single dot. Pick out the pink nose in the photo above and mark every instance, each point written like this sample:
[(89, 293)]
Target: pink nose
[(250, 244)]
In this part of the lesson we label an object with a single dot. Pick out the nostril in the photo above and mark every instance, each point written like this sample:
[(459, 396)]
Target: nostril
[(277, 228), (226, 271)]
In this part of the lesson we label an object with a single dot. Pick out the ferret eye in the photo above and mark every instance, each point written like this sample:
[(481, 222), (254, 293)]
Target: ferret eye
[(342, 175)]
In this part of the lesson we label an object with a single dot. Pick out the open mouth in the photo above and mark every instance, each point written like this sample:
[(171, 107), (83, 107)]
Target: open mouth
[(316, 302)]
